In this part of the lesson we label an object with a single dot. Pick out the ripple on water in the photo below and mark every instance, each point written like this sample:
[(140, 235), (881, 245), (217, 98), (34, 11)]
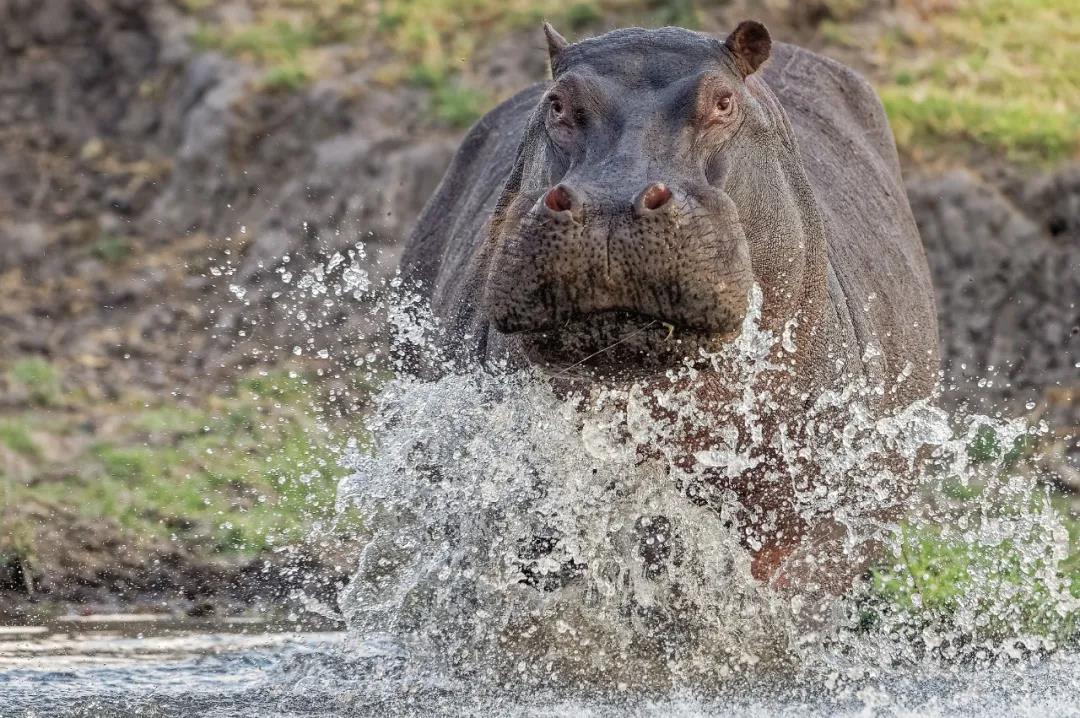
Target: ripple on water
[(320, 675)]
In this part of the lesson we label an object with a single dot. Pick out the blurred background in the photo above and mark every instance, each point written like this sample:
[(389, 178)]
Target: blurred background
[(170, 399)]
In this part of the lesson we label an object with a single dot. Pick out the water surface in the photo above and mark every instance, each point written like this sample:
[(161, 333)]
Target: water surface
[(185, 672)]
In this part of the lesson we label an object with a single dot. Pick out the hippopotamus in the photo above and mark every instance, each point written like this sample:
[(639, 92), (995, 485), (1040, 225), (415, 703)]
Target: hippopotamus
[(642, 191)]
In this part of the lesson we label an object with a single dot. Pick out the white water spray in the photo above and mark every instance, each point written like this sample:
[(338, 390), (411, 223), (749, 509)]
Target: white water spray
[(523, 534)]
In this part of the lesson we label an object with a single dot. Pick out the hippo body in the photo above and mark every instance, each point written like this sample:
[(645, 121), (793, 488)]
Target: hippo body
[(875, 285), (528, 257)]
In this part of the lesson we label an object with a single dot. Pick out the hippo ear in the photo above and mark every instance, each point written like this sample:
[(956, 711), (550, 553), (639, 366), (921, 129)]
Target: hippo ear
[(556, 44), (750, 43)]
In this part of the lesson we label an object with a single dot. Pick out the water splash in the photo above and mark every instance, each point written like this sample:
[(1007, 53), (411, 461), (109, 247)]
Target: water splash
[(525, 532)]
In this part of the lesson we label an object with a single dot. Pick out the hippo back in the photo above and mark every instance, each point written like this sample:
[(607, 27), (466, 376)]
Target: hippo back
[(878, 279)]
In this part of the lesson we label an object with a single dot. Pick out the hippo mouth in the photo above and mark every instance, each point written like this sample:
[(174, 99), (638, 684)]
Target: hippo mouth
[(616, 343)]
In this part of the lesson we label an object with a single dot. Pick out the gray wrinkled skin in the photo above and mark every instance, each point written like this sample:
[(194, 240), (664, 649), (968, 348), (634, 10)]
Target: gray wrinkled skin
[(791, 183), (798, 189)]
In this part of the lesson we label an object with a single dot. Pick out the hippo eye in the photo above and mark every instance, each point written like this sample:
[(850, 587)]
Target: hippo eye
[(723, 104), (556, 107)]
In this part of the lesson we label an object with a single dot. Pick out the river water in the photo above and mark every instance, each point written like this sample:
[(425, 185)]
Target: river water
[(198, 672)]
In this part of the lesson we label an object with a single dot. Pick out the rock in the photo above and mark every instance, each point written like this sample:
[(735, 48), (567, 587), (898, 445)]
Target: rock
[(1007, 278), (21, 242), (1054, 200)]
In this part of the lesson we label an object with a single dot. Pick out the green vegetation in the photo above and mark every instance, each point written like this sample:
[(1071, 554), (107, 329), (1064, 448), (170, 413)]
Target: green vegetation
[(111, 249), (38, 379), (941, 580), (282, 47), (267, 42), (1011, 579), (241, 474), (285, 78), (581, 15), (453, 102), (1024, 133), (15, 437), (434, 37), (457, 105), (429, 42), (1002, 74), (682, 13)]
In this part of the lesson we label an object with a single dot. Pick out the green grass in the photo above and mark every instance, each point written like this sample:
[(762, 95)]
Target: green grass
[(1024, 133), (281, 46), (459, 106), (38, 378), (288, 41), (583, 14), (681, 13), (452, 102), (940, 579), (1006, 561), (275, 40), (1000, 74), (111, 249), (15, 436), (242, 473), (839, 10), (285, 78)]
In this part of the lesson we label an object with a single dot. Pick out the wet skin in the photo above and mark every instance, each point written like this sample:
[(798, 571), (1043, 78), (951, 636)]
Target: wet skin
[(609, 225)]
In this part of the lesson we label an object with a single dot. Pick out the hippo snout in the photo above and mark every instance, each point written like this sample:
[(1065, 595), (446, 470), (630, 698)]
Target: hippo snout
[(653, 198), (564, 198), (577, 257)]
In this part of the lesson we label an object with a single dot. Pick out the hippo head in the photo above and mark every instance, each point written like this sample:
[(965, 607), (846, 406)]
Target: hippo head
[(649, 179)]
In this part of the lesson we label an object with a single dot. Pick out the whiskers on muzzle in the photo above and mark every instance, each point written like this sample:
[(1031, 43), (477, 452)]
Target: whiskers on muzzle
[(568, 371)]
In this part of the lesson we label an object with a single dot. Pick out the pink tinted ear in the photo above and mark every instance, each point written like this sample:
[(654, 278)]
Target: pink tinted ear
[(750, 44)]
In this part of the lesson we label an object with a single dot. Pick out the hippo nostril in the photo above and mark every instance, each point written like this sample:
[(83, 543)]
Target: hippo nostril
[(561, 198), (655, 196)]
